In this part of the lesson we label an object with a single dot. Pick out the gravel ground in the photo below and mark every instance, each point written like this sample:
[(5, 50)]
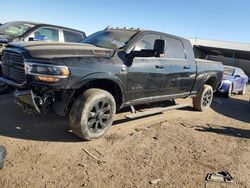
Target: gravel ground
[(174, 149)]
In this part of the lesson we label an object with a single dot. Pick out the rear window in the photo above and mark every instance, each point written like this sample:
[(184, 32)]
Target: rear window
[(70, 36), (229, 71), (240, 72)]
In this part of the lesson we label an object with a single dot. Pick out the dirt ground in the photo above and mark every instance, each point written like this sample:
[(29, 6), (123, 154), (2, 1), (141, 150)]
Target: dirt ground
[(178, 147)]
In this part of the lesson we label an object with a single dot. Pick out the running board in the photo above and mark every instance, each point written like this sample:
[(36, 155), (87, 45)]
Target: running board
[(156, 111)]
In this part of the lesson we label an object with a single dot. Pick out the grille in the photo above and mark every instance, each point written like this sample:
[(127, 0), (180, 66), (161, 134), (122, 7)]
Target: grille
[(13, 66)]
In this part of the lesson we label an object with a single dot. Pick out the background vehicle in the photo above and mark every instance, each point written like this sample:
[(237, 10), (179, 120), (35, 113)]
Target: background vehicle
[(30, 31), (113, 69), (234, 81)]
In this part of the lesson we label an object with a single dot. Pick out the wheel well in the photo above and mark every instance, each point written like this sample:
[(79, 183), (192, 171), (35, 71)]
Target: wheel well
[(212, 82), (107, 85)]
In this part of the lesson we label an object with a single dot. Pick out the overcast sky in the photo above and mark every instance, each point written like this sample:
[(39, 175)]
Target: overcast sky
[(214, 19)]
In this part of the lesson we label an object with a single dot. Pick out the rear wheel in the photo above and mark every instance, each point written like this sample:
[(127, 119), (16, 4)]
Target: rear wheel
[(204, 99), (92, 114), (243, 90)]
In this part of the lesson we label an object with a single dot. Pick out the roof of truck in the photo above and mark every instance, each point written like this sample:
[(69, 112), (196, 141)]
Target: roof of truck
[(142, 30)]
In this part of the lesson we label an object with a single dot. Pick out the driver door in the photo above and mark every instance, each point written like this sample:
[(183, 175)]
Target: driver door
[(145, 76)]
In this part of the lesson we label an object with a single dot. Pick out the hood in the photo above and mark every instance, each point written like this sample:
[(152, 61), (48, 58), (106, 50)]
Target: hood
[(51, 50)]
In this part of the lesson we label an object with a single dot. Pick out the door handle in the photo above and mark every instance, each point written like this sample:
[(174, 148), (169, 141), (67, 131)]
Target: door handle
[(186, 67), (159, 66)]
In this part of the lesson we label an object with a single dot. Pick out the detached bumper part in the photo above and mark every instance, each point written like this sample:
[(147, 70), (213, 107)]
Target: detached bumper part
[(11, 83), (26, 99)]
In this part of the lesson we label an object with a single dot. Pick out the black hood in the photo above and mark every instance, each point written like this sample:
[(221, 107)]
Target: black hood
[(51, 50)]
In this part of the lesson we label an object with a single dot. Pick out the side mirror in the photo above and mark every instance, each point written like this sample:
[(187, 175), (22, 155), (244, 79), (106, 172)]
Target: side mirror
[(38, 38), (142, 53), (159, 48)]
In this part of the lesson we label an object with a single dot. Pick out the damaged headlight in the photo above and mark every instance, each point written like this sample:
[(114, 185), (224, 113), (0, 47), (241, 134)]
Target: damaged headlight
[(46, 72)]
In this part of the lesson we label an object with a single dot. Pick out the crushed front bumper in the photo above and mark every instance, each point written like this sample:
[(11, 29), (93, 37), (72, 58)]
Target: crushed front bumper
[(11, 83), (27, 100)]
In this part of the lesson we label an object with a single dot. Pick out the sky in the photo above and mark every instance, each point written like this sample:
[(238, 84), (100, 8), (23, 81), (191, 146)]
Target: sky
[(226, 20)]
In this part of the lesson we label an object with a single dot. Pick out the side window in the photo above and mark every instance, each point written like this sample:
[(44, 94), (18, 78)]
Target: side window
[(146, 42), (52, 34), (174, 49), (70, 36)]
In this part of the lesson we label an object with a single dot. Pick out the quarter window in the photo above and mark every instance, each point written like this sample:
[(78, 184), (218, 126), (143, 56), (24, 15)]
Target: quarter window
[(52, 34), (146, 42), (175, 49), (72, 36)]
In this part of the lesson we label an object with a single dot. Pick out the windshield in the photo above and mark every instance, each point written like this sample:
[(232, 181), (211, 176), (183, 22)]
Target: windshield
[(229, 71), (112, 39), (15, 29)]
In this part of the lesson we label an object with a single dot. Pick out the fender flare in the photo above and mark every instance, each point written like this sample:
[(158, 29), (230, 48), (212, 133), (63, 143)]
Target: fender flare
[(100, 76), (61, 107), (207, 77)]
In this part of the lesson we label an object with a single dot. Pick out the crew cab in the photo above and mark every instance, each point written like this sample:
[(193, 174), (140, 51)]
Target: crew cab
[(111, 69), (31, 31)]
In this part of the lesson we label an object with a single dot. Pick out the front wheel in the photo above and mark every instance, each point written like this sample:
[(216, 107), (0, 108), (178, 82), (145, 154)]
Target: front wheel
[(204, 99), (92, 114)]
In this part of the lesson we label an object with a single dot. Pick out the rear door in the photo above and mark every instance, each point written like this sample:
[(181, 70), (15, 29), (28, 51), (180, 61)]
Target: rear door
[(180, 67), (146, 74)]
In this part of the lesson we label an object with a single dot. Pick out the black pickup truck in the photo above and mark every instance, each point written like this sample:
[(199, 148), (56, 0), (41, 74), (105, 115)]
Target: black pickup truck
[(112, 69)]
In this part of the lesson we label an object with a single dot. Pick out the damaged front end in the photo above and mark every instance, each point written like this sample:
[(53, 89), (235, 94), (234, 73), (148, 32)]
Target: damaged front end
[(36, 82), (32, 103)]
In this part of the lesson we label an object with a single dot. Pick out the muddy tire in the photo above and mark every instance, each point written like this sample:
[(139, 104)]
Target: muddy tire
[(92, 114), (204, 99), (243, 90)]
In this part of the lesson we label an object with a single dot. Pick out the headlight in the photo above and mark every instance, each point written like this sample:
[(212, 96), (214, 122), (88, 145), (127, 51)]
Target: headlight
[(47, 73)]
